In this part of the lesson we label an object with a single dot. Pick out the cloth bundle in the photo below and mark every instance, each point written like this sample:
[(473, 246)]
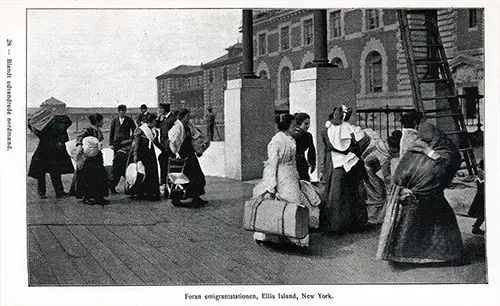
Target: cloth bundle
[(91, 146)]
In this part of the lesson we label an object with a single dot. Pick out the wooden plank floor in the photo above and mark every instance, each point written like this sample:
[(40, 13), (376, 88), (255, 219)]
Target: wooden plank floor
[(155, 243)]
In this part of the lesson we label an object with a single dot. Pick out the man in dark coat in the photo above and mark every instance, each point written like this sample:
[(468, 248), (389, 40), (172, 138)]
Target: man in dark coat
[(142, 115), (120, 138), (164, 124), (51, 156)]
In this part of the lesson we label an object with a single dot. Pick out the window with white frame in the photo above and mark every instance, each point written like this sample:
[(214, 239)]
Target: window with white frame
[(337, 62), (308, 32), (374, 72), (285, 76), (262, 44), (335, 24), (372, 19), (285, 38)]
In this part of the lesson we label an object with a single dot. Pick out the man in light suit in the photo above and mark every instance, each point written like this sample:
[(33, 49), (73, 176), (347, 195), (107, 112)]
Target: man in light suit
[(165, 122), (120, 138)]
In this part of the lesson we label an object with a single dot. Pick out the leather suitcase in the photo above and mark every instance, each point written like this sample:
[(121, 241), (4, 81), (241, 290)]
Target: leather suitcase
[(276, 217)]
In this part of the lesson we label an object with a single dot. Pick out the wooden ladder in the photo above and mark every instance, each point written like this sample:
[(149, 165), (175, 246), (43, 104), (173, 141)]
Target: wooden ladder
[(433, 88)]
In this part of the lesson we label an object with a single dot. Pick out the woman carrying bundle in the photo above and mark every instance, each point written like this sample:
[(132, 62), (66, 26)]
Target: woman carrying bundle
[(181, 144), (90, 181), (143, 152), (281, 179), (420, 226)]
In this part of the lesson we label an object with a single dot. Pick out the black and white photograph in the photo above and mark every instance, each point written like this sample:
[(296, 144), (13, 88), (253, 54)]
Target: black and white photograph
[(239, 154)]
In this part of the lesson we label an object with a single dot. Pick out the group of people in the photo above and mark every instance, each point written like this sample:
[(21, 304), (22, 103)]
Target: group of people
[(170, 133), (418, 224)]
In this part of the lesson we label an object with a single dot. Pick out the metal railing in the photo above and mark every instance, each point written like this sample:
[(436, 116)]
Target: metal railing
[(472, 108), (381, 120)]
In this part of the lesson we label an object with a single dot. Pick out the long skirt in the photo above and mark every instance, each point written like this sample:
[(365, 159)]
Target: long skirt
[(196, 186), (151, 185), (303, 168), (376, 197), (343, 206), (91, 181), (424, 230)]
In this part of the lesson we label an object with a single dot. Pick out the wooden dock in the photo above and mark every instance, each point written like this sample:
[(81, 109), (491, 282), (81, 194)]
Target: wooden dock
[(154, 243)]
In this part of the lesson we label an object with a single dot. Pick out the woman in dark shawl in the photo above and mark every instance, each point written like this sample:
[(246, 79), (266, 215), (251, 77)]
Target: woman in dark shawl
[(50, 155), (143, 151), (90, 181), (343, 206), (420, 226), (305, 143)]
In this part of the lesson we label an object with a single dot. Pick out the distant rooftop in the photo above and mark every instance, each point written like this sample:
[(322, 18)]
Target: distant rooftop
[(53, 101), (181, 70)]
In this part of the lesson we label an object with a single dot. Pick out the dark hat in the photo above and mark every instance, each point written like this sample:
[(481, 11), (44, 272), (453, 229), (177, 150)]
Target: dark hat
[(122, 107), (143, 106)]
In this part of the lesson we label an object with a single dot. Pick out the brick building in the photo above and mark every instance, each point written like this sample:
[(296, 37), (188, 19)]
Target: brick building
[(182, 87), (216, 74), (366, 40)]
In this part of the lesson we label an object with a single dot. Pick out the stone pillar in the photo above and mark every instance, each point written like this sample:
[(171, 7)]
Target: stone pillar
[(316, 91), (320, 39), (249, 126), (248, 116), (247, 28)]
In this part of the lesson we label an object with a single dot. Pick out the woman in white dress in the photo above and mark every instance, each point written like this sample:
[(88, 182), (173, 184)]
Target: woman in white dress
[(281, 179)]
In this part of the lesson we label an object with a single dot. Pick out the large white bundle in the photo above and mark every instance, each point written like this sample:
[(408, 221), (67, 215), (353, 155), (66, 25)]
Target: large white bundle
[(108, 155), (91, 146)]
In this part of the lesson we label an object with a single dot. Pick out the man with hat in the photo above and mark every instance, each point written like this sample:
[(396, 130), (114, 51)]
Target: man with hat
[(120, 138), (164, 123), (142, 115)]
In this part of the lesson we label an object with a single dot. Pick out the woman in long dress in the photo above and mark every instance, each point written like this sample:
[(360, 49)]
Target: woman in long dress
[(420, 226), (305, 143), (143, 151), (90, 182), (281, 179), (180, 138), (343, 206)]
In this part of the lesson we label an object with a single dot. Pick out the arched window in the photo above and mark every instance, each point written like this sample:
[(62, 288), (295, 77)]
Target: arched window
[(263, 74), (285, 83), (374, 72), (337, 63), (308, 65)]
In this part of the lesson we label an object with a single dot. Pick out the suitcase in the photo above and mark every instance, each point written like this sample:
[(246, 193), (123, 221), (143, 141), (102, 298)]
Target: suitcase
[(276, 217)]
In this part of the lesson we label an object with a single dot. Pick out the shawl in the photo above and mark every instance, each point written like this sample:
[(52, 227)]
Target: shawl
[(176, 136), (150, 134)]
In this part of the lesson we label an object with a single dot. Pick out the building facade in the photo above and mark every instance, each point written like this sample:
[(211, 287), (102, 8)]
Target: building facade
[(368, 41), (216, 74), (182, 87)]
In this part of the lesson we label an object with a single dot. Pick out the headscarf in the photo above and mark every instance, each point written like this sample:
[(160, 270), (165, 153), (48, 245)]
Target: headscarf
[(429, 133)]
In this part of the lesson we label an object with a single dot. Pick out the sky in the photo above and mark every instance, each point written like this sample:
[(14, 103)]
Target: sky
[(102, 58)]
